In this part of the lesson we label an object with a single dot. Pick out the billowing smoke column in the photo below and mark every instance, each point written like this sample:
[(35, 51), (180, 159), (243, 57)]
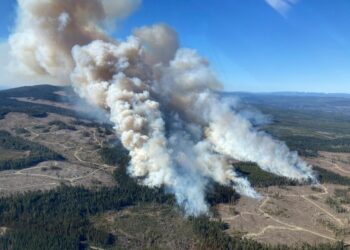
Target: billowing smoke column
[(161, 98)]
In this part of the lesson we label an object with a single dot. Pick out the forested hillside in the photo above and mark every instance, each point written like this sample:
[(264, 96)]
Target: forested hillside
[(77, 192)]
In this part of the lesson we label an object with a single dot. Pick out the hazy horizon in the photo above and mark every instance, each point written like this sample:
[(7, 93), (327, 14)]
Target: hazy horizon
[(255, 46), (224, 91)]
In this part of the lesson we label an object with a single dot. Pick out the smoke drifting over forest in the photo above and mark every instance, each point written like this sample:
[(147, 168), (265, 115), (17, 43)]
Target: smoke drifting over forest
[(161, 97)]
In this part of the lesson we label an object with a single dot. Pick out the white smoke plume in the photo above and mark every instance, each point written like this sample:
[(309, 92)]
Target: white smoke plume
[(161, 98)]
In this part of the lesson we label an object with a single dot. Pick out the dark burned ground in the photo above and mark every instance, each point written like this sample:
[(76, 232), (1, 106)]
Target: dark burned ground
[(64, 185)]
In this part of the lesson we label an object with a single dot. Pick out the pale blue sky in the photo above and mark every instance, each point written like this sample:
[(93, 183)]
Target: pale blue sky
[(254, 46)]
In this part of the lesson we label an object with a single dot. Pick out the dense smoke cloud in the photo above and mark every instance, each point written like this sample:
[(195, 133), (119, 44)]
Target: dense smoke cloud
[(161, 98)]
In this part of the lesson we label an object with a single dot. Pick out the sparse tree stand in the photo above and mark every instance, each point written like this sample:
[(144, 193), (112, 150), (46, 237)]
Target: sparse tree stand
[(38, 153)]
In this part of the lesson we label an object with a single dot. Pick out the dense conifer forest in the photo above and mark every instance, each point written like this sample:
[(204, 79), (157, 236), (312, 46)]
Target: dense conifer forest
[(59, 219)]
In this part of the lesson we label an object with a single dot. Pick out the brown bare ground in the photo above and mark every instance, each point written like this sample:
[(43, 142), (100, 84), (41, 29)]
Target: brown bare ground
[(336, 162), (82, 167), (291, 215)]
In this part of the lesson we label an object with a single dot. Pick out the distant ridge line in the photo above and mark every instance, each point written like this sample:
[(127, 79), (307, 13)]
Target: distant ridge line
[(237, 93), (286, 93)]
